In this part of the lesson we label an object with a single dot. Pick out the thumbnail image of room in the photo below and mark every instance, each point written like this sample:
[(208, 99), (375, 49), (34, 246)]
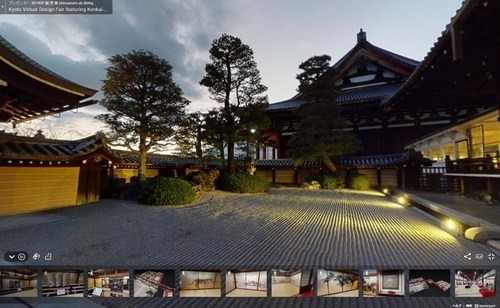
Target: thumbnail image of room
[(475, 283), (377, 283), (200, 284), (18, 283), (291, 283), (338, 283), (246, 283), (154, 283), (62, 283), (108, 283), (429, 283)]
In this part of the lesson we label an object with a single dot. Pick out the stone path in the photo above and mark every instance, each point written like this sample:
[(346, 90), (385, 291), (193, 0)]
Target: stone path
[(476, 208)]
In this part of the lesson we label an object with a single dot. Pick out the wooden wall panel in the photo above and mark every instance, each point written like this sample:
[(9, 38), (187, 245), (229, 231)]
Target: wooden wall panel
[(389, 178), (266, 174), (29, 189), (285, 176)]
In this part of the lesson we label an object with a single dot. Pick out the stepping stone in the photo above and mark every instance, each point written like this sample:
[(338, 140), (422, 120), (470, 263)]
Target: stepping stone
[(482, 234)]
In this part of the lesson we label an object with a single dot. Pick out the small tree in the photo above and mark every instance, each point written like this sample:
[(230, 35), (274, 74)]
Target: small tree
[(320, 134), (234, 81), (189, 138), (145, 104), (214, 136)]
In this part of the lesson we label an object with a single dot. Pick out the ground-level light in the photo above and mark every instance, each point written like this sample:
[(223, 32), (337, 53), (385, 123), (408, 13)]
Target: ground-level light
[(451, 226), (402, 200)]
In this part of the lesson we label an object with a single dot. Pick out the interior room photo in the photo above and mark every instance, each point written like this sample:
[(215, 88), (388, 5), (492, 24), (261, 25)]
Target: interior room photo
[(200, 283), (339, 283), (291, 283), (18, 283), (61, 283), (383, 283), (108, 283), (154, 283), (429, 283), (475, 283), (246, 283)]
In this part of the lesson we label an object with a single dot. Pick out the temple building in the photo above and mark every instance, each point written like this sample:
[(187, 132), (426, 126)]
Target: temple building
[(368, 77), (446, 106), (391, 100), (39, 173)]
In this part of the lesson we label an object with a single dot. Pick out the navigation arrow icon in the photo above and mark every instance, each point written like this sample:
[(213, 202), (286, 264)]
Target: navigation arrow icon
[(12, 257)]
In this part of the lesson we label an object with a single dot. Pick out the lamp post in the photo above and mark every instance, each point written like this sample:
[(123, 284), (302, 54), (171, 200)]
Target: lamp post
[(251, 162)]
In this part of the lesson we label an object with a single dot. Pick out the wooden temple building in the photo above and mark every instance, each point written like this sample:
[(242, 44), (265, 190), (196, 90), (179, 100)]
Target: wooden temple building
[(38, 173), (367, 77), (446, 105)]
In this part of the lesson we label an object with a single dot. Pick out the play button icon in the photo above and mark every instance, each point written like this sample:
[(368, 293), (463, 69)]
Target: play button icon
[(16, 256)]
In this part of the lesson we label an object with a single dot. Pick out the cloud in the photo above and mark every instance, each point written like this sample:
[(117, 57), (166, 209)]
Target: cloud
[(179, 31), (77, 46)]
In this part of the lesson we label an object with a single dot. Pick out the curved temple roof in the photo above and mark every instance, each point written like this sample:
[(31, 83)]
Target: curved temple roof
[(28, 90), (379, 92)]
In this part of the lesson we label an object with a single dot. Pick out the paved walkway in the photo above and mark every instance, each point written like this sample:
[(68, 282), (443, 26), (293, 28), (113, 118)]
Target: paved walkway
[(475, 208), (287, 228)]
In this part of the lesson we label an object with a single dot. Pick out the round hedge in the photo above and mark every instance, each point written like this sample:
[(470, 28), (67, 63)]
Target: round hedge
[(243, 183), (359, 181), (166, 191), (333, 181)]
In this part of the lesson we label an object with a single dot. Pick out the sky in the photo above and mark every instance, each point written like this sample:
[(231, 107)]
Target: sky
[(281, 33)]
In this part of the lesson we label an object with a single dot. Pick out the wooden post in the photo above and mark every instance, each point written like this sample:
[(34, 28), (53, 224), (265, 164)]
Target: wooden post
[(379, 178), (462, 186), (400, 178)]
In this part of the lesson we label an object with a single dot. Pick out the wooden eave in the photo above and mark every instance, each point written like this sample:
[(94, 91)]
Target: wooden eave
[(29, 91), (21, 63)]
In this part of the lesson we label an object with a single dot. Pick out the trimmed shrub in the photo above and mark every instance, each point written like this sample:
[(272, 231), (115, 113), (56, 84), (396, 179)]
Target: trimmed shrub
[(243, 183), (359, 181), (333, 181), (205, 179), (327, 181), (166, 191)]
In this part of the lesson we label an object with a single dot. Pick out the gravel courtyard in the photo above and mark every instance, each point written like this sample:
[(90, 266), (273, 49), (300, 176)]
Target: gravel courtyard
[(287, 228)]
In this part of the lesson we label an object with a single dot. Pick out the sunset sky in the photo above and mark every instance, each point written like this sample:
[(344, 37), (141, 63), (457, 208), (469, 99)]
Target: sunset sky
[(281, 33)]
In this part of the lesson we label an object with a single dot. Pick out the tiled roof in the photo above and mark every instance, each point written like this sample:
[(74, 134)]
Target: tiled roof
[(30, 148), (164, 160), (391, 55), (369, 93), (374, 161), (161, 160), (396, 57)]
